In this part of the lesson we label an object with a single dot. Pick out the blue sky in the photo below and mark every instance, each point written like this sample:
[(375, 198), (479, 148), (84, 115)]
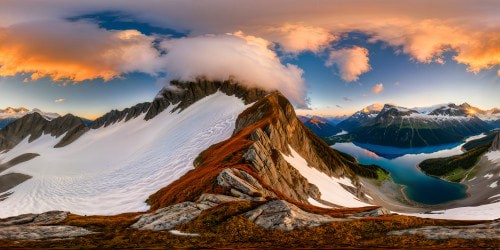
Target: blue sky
[(406, 81)]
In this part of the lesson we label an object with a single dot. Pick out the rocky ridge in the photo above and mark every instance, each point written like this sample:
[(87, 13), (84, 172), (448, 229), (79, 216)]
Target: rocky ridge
[(33, 126)]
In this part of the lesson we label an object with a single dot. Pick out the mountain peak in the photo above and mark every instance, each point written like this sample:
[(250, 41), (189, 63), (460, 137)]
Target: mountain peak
[(183, 94)]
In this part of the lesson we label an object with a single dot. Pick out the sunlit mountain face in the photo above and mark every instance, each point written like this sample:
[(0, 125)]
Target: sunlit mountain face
[(228, 124)]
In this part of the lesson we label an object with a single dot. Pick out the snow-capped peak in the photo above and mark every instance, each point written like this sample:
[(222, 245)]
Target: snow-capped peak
[(16, 113)]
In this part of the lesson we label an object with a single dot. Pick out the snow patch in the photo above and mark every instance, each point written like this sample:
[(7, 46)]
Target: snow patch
[(317, 203), (493, 156), (343, 132), (488, 176), (494, 184), (483, 212), (179, 233), (114, 170), (330, 187)]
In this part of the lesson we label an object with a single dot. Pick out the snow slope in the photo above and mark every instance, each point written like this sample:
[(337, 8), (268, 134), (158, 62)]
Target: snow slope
[(330, 187), (115, 169), (483, 212)]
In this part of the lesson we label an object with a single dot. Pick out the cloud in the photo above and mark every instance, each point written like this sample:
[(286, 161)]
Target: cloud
[(338, 106), (373, 107), (296, 38), (347, 99), (248, 59), (351, 62), (60, 100), (377, 88), (74, 51)]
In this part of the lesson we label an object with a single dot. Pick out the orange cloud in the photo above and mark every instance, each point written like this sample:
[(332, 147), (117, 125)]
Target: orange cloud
[(74, 51), (377, 88), (295, 38), (352, 62)]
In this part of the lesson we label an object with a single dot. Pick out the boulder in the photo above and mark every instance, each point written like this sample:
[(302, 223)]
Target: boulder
[(172, 216), (283, 215)]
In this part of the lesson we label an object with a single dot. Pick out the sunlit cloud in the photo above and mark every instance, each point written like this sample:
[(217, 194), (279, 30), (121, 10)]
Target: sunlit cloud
[(377, 88), (351, 62), (296, 38), (247, 59), (60, 100), (74, 51)]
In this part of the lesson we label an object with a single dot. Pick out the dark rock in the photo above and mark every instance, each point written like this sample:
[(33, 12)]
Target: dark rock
[(115, 116), (34, 125), (183, 94)]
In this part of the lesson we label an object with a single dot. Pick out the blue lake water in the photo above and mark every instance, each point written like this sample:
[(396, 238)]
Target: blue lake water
[(402, 164)]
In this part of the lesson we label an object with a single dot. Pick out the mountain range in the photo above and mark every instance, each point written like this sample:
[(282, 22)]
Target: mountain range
[(417, 127)]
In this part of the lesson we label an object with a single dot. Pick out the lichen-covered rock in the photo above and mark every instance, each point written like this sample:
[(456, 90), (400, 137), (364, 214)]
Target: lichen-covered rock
[(489, 230), (373, 213), (39, 226), (283, 215), (217, 199), (172, 216), (47, 218), (243, 185), (41, 232)]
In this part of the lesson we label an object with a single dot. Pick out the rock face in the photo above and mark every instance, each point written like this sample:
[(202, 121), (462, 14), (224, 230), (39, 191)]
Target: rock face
[(490, 230), (34, 125), (495, 145), (183, 94), (115, 116), (172, 216), (275, 128), (38, 226), (283, 215), (243, 185)]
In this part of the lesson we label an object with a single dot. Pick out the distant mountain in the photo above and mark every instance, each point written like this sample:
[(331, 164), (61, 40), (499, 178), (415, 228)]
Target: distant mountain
[(359, 118), (319, 126), (403, 127), (332, 120), (9, 115)]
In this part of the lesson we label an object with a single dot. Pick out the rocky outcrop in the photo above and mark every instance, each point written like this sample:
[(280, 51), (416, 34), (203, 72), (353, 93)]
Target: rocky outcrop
[(495, 145), (283, 215), (42, 232), (34, 125), (373, 213), (39, 226), (115, 116), (243, 185), (172, 216), (489, 230), (183, 94), (275, 128), (47, 218)]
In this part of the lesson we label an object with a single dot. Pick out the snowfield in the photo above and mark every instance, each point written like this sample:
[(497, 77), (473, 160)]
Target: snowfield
[(330, 187), (483, 212), (115, 169)]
